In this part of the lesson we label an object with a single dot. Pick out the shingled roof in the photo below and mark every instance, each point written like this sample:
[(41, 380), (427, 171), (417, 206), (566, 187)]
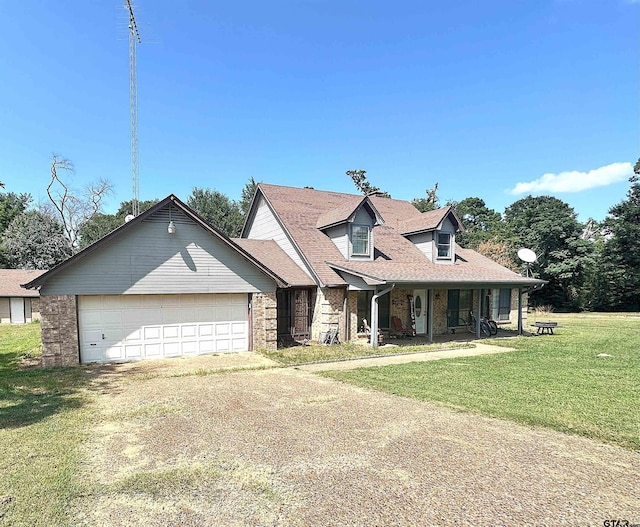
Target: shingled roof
[(12, 279), (396, 259), (272, 256)]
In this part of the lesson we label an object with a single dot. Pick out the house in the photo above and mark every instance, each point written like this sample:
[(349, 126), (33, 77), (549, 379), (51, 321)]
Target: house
[(374, 258), (169, 284), (18, 305), (164, 284)]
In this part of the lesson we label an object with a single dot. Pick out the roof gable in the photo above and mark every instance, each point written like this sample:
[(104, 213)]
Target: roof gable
[(347, 213), (169, 209), (429, 221)]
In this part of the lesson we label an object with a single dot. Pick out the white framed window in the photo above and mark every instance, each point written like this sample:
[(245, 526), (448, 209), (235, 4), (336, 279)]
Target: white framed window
[(360, 240), (444, 245)]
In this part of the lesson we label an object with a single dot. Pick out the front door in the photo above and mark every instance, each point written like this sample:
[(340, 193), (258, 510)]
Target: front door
[(420, 306)]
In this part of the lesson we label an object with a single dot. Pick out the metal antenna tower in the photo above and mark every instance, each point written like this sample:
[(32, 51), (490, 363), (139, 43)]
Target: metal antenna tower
[(134, 40)]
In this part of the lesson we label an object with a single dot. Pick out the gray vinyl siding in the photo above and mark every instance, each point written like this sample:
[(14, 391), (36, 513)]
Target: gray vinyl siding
[(265, 226), (146, 259), (424, 242), (340, 238), (5, 313)]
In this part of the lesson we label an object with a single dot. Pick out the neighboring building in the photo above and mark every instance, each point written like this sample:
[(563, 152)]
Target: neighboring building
[(18, 305), (373, 258), (168, 284)]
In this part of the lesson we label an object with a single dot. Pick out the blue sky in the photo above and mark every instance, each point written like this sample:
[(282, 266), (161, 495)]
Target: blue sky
[(494, 99)]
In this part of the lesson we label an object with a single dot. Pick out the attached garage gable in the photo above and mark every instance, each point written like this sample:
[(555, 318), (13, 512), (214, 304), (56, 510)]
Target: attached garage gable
[(165, 284), (146, 259)]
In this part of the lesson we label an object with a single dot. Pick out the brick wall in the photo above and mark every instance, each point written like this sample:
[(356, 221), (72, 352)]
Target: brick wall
[(440, 311), (59, 327), (328, 311), (265, 321)]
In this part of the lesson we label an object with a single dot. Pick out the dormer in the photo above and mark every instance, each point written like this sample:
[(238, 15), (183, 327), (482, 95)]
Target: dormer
[(434, 233), (350, 227)]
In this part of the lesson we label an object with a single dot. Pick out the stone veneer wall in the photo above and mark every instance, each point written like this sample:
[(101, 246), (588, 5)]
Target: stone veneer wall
[(513, 315), (440, 311), (329, 310), (35, 308), (59, 327), (264, 315), (354, 323)]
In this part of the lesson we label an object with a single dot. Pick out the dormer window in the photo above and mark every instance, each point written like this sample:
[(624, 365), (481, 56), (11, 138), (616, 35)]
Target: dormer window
[(444, 245), (360, 240)]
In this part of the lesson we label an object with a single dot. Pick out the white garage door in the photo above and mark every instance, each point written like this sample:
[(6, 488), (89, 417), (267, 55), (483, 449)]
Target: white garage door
[(116, 328)]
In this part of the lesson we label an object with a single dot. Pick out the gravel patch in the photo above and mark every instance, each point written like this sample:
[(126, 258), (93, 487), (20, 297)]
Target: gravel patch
[(284, 447)]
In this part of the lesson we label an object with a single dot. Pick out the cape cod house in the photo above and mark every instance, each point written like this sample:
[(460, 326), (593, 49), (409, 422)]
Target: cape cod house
[(375, 258), (169, 284)]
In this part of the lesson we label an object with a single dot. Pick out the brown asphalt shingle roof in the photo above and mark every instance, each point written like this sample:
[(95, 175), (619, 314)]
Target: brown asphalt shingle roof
[(395, 259), (11, 279), (269, 253)]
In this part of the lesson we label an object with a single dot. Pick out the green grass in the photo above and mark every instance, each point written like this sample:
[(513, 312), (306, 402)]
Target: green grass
[(42, 420), (317, 353), (555, 381)]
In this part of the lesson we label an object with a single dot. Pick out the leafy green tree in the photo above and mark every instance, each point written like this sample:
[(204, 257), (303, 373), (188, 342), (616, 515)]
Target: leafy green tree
[(11, 205), (246, 197), (550, 227), (481, 223), (430, 202), (359, 178), (34, 240), (218, 210), (102, 224), (614, 283)]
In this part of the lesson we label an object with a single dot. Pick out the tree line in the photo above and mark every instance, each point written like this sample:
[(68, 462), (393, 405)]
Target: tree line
[(590, 266)]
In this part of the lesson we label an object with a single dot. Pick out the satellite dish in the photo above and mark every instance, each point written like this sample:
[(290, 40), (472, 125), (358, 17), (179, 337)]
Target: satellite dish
[(527, 255), (128, 218)]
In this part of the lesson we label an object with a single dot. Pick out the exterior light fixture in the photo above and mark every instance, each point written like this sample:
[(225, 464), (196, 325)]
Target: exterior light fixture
[(171, 229)]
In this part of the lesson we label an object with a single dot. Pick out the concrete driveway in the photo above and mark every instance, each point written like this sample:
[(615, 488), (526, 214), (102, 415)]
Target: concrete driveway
[(285, 447)]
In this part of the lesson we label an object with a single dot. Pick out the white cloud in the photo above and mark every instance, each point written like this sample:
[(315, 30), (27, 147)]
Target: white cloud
[(575, 181)]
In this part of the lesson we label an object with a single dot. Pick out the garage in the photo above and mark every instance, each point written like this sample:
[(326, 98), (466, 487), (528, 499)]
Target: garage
[(122, 328)]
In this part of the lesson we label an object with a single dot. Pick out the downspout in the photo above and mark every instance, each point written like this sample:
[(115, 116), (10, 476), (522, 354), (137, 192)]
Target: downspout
[(374, 315)]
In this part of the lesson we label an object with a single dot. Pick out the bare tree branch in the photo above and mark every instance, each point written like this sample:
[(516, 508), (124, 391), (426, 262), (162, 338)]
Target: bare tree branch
[(71, 209)]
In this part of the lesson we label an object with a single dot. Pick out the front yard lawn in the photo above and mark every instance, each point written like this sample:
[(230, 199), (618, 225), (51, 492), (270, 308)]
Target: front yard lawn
[(557, 381), (42, 424), (296, 355)]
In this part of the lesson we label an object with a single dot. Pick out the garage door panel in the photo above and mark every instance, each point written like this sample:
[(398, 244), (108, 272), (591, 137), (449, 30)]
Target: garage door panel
[(152, 333), (152, 351), (171, 349), (189, 347), (171, 332), (111, 317), (188, 331), (114, 353), (135, 327), (133, 352)]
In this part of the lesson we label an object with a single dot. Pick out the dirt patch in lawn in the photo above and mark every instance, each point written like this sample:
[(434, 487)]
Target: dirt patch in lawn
[(283, 447)]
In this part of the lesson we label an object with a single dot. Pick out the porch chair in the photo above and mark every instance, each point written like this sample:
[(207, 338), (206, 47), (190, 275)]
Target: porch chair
[(399, 330)]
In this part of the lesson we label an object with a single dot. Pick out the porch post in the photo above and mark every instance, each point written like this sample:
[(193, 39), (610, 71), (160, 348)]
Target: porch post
[(430, 316), (520, 328), (478, 311), (374, 315)]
